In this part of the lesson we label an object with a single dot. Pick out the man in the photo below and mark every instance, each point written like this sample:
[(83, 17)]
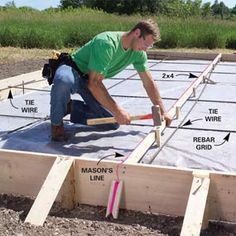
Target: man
[(104, 56)]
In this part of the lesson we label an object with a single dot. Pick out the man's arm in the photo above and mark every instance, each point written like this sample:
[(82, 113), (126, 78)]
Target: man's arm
[(154, 94), (99, 91)]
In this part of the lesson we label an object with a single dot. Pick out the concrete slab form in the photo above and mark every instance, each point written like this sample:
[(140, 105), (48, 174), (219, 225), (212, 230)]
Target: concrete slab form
[(152, 188)]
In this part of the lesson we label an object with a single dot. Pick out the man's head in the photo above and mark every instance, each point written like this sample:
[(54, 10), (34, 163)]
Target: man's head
[(144, 35)]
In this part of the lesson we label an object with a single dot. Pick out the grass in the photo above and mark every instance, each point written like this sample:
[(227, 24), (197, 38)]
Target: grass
[(195, 33), (72, 28), (52, 29)]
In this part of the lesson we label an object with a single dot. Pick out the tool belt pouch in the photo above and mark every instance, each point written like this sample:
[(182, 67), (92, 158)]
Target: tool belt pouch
[(49, 69)]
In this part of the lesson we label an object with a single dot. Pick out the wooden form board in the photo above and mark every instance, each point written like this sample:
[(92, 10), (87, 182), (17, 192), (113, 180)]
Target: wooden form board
[(165, 190), (222, 197), (23, 172), (147, 188), (147, 142)]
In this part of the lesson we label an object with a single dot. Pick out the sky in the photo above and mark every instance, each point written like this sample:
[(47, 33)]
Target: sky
[(228, 3), (42, 4), (38, 4)]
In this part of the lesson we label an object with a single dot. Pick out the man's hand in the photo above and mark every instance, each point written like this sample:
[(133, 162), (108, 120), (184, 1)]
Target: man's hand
[(167, 118), (122, 117)]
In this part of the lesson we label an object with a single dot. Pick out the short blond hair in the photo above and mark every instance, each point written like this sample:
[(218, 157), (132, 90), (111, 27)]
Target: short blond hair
[(148, 27)]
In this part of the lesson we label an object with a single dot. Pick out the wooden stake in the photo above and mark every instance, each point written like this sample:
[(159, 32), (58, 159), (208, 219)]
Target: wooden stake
[(194, 213), (204, 79), (178, 112), (49, 191), (194, 92), (158, 137)]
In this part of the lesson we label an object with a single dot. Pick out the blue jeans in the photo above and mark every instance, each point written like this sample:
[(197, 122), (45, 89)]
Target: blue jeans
[(68, 81)]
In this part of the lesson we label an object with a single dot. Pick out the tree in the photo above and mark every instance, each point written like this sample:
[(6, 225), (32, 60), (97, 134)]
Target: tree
[(233, 10), (206, 9), (220, 9), (128, 6), (175, 8), (223, 10), (71, 3), (216, 8), (192, 8), (10, 4), (154, 6), (105, 5), (179, 8)]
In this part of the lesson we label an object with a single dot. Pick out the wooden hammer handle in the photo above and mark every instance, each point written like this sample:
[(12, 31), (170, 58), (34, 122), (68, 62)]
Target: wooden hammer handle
[(110, 120)]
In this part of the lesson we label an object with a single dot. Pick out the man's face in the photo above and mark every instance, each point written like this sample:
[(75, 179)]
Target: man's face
[(141, 43)]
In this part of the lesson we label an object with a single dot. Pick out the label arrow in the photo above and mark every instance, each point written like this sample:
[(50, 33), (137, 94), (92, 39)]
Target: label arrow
[(189, 122), (116, 155), (11, 97), (190, 75), (226, 138)]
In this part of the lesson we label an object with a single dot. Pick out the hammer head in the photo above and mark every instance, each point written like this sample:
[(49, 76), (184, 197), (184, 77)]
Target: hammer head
[(156, 114)]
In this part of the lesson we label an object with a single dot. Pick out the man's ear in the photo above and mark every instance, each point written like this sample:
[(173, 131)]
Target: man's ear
[(137, 33)]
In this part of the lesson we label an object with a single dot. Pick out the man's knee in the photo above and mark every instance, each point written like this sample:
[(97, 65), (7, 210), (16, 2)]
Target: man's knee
[(61, 86)]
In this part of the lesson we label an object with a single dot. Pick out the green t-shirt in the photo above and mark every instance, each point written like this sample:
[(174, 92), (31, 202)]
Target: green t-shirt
[(105, 55)]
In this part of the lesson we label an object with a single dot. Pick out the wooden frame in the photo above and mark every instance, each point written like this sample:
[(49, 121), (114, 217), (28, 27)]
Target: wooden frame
[(163, 190), (158, 189)]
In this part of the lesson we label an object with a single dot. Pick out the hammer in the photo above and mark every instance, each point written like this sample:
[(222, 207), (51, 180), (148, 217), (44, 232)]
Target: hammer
[(155, 115)]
